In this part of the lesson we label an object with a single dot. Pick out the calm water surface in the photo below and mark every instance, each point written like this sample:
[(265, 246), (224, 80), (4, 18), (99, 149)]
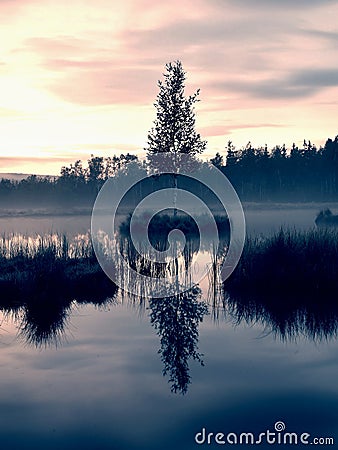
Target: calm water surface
[(102, 387), (259, 219)]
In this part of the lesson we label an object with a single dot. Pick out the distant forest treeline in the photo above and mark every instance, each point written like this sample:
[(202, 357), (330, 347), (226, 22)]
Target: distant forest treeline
[(280, 174), (76, 186), (258, 174)]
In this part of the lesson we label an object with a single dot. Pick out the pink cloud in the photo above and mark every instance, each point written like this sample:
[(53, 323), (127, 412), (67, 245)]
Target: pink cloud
[(64, 64), (92, 75), (6, 160), (9, 9), (224, 130), (95, 86), (57, 47)]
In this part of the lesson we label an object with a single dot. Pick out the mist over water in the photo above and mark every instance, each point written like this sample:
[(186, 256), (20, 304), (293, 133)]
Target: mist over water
[(260, 218)]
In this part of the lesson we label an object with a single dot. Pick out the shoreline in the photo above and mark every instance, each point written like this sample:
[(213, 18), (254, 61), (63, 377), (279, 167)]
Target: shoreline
[(87, 210)]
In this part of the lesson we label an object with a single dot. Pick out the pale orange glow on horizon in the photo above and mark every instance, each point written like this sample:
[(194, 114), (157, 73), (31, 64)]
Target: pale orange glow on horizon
[(80, 79)]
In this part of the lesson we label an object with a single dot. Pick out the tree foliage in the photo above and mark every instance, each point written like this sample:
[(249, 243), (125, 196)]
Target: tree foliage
[(174, 127), (280, 174), (77, 184)]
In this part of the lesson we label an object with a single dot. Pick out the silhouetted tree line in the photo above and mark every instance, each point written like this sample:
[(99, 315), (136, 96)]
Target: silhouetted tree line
[(76, 184), (258, 174), (280, 174)]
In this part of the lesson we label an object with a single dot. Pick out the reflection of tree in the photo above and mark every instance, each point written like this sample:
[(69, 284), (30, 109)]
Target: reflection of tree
[(176, 319)]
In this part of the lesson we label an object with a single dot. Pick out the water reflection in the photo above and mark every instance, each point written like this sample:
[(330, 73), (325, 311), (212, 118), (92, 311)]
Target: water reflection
[(155, 264), (41, 309), (287, 318), (40, 302), (43, 319), (53, 281), (176, 319)]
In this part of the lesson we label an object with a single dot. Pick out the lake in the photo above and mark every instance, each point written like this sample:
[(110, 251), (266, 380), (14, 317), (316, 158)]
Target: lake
[(260, 218), (101, 387)]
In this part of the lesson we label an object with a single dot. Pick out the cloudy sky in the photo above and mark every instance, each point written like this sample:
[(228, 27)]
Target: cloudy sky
[(80, 77)]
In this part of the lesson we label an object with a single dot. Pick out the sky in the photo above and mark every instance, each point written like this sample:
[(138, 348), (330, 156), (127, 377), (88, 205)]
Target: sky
[(80, 77)]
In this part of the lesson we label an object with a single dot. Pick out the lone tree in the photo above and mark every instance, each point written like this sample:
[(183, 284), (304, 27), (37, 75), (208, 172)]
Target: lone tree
[(174, 126)]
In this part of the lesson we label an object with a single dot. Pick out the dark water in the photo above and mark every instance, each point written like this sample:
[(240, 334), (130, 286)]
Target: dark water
[(104, 389), (102, 385)]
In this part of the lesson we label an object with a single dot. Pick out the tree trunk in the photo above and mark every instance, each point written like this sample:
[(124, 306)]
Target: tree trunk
[(175, 195)]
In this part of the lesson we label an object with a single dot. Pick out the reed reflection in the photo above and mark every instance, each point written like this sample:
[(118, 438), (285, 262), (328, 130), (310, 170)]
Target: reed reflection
[(288, 283), (45, 317), (287, 318), (41, 277), (184, 261)]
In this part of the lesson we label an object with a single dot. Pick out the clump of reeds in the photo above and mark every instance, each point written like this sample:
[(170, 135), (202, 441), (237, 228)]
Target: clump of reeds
[(289, 262), (56, 246), (41, 276), (162, 223), (50, 267), (289, 283)]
